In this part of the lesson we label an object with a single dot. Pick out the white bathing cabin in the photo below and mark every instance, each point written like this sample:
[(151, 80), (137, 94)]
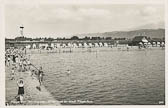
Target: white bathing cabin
[(154, 43), (64, 45), (100, 44), (52, 45), (149, 44), (69, 45), (158, 43), (96, 45), (80, 45), (75, 45), (90, 45), (85, 45), (34, 46), (105, 45), (162, 43), (28, 46)]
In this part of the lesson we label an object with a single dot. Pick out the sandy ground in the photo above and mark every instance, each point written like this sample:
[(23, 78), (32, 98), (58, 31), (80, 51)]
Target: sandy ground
[(32, 96)]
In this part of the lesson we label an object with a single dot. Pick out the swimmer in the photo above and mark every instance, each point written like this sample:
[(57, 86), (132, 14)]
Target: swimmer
[(68, 71)]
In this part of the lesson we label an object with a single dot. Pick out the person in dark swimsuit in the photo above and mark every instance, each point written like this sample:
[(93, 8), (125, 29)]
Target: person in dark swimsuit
[(20, 84)]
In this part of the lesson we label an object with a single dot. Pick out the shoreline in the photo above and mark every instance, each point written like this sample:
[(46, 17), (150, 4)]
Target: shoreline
[(91, 50), (32, 96)]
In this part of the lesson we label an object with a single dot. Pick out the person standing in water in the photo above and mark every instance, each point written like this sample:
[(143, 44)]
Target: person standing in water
[(20, 84), (13, 74), (68, 71), (40, 75), (28, 64)]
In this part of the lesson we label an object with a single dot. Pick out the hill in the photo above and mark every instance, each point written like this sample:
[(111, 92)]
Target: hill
[(152, 33)]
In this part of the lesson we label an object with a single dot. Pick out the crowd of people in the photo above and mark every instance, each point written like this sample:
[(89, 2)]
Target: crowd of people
[(18, 61)]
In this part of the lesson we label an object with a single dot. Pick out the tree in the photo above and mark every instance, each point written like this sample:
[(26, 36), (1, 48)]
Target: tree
[(108, 38), (74, 38), (86, 38)]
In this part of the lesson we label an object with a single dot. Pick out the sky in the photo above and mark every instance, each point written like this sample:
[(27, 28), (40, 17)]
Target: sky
[(65, 20)]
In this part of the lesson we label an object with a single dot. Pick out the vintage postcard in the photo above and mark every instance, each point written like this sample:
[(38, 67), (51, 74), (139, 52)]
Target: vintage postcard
[(84, 52)]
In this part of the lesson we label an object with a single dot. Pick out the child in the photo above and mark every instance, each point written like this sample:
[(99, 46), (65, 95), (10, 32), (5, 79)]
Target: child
[(32, 74), (28, 63), (20, 84), (8, 60), (13, 74)]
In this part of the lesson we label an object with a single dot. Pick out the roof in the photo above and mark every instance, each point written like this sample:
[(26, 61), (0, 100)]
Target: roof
[(139, 38), (156, 39)]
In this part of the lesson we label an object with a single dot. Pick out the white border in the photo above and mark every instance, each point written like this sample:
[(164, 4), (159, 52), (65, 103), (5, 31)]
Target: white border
[(2, 47), (84, 1), (39, 2)]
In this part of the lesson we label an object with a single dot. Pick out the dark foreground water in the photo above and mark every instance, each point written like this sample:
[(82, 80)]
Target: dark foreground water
[(106, 77)]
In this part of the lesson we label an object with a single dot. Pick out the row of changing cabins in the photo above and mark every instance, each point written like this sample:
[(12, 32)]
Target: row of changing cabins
[(137, 41), (87, 45), (66, 45)]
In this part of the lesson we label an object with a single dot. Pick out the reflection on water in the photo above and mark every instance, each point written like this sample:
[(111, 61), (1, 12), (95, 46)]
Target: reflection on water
[(113, 77)]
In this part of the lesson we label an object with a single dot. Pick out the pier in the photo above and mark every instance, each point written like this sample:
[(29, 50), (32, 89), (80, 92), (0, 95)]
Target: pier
[(32, 95)]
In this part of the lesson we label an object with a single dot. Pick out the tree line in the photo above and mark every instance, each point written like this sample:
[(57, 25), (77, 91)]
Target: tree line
[(63, 38), (71, 38)]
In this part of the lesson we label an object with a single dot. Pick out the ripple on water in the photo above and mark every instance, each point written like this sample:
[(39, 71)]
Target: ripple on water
[(114, 77)]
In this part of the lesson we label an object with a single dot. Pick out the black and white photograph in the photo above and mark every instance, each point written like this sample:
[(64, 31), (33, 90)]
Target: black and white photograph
[(84, 53)]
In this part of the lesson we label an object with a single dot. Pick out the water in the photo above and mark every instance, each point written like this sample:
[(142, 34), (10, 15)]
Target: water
[(105, 77)]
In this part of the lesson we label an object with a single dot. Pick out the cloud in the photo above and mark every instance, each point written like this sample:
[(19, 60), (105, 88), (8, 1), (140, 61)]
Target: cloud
[(69, 19), (150, 10), (153, 14), (93, 12), (69, 14)]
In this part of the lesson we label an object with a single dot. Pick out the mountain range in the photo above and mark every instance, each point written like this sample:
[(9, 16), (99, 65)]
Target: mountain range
[(152, 33), (150, 30)]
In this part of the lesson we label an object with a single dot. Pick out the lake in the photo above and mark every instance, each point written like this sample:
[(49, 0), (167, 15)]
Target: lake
[(135, 77)]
